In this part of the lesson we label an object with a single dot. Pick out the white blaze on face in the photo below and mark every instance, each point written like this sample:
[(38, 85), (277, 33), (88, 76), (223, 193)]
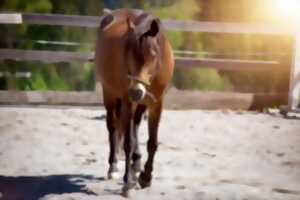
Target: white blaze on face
[(141, 87)]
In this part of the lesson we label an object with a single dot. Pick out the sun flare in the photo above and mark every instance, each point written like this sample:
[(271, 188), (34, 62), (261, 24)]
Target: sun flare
[(289, 9)]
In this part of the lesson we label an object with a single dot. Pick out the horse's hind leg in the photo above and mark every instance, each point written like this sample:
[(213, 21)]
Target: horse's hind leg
[(136, 156), (153, 122), (110, 105)]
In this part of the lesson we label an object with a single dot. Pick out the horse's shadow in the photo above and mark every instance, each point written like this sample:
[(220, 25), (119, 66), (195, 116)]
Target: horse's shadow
[(36, 187)]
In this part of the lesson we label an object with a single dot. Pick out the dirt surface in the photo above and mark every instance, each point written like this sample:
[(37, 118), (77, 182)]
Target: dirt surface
[(61, 154)]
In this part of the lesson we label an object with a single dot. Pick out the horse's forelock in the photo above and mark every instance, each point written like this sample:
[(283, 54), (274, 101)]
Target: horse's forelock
[(133, 45)]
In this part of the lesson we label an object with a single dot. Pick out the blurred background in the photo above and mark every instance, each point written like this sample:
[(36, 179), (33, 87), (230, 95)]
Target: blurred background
[(78, 76)]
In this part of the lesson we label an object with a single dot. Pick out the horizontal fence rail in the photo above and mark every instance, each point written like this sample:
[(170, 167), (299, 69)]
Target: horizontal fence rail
[(45, 56), (9, 18), (175, 99), (172, 25), (183, 62), (50, 97), (226, 64)]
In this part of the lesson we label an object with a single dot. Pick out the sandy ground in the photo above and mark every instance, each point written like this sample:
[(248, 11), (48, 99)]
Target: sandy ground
[(61, 154)]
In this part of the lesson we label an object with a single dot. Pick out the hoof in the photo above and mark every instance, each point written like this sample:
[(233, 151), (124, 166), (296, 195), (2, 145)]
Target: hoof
[(126, 190), (144, 181), (126, 193), (113, 175), (113, 172)]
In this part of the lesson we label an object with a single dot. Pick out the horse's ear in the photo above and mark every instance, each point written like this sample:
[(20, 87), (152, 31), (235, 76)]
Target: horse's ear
[(147, 26), (153, 28), (107, 11), (107, 20)]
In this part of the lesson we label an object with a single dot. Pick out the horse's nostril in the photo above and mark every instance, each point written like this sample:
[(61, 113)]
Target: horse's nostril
[(136, 94)]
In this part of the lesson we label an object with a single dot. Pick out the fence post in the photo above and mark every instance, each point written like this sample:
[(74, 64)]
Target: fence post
[(294, 90)]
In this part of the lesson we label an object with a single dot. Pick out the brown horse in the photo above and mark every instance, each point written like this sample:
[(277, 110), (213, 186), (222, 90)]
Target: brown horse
[(134, 63)]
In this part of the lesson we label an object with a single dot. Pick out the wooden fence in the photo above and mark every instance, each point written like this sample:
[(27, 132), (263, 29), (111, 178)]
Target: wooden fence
[(172, 25)]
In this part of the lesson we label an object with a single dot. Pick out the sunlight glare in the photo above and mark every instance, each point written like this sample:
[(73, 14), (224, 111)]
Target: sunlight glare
[(288, 9)]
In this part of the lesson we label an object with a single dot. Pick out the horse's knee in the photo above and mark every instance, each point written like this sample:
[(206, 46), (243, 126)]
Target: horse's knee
[(110, 123), (152, 146), (136, 156), (136, 165), (128, 149), (111, 129)]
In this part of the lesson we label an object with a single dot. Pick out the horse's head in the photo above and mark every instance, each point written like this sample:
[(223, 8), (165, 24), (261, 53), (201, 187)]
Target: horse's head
[(142, 54)]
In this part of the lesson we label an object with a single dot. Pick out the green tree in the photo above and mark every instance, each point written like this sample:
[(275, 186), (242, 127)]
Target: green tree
[(62, 76)]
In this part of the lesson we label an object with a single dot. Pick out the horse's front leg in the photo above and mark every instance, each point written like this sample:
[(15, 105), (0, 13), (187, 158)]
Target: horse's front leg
[(127, 121), (113, 142), (153, 123), (110, 106), (136, 156)]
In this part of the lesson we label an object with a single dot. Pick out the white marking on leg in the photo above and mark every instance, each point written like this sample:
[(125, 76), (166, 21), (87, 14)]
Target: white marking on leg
[(114, 175)]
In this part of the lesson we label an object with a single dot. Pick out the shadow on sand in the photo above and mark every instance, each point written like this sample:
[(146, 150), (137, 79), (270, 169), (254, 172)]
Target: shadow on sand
[(36, 187)]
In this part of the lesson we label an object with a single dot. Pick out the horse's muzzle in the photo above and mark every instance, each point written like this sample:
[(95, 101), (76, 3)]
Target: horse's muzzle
[(137, 93)]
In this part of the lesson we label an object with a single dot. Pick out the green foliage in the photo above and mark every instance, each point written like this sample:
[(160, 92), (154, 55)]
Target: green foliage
[(200, 79), (252, 47), (196, 79), (176, 39), (40, 6), (179, 10), (62, 76), (38, 82)]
